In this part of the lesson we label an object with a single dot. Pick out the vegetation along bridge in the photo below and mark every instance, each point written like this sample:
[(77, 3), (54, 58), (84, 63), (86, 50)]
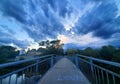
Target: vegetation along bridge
[(52, 69)]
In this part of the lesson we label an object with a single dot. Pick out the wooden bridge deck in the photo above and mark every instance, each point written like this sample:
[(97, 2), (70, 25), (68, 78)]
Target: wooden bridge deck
[(64, 72)]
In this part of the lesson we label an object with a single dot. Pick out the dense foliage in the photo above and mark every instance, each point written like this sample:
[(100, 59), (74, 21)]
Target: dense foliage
[(55, 47), (105, 52), (7, 53)]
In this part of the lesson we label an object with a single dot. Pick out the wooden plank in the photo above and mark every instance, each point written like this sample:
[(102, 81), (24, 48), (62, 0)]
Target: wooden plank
[(64, 72)]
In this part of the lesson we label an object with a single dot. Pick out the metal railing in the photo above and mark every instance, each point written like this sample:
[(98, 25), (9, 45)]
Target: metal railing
[(29, 71), (98, 71), (25, 71)]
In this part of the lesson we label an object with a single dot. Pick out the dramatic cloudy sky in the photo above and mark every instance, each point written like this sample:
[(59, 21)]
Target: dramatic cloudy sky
[(77, 23)]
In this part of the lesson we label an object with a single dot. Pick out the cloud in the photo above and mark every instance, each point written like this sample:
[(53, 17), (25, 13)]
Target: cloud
[(33, 20), (37, 17), (8, 31), (101, 20), (19, 43), (13, 9), (64, 8), (88, 40), (44, 22), (83, 40), (72, 46), (7, 38), (10, 35)]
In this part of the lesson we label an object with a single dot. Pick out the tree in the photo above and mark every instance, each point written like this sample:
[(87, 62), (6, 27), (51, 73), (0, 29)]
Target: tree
[(7, 52), (71, 52), (107, 52), (116, 57), (42, 50), (88, 51), (52, 47)]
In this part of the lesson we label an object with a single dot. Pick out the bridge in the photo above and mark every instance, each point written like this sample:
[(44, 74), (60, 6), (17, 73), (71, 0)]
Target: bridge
[(52, 69)]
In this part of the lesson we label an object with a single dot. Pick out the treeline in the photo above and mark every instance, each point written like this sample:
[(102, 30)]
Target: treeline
[(105, 52), (108, 52), (55, 47), (7, 53)]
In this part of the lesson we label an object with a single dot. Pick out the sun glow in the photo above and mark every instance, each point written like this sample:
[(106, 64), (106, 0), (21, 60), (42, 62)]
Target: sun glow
[(81, 39)]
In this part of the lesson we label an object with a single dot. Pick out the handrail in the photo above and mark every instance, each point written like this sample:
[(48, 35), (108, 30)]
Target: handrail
[(22, 61), (100, 60), (30, 70), (3, 76), (99, 74)]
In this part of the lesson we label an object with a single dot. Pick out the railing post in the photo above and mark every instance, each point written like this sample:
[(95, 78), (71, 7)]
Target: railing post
[(0, 81), (37, 61), (76, 61), (51, 62), (92, 70), (91, 64)]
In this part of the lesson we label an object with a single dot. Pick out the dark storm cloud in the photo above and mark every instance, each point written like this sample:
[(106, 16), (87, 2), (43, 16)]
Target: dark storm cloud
[(101, 20), (44, 24), (41, 19), (19, 43), (36, 16), (64, 7), (41, 31), (6, 37), (13, 8)]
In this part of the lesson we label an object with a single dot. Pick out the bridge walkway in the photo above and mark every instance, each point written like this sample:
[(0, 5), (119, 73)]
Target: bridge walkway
[(64, 72)]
